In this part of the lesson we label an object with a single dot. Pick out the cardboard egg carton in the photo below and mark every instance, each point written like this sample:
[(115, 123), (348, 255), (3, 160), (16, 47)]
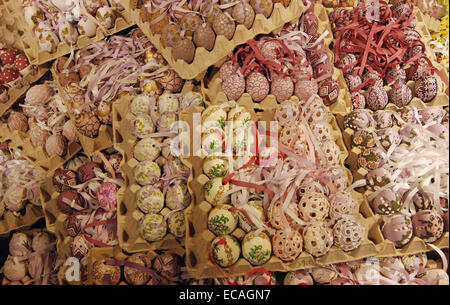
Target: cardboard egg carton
[(204, 58), (442, 97), (212, 85), (198, 237), (31, 43), (128, 214), (90, 145), (9, 33), (27, 217), (385, 247), (16, 93)]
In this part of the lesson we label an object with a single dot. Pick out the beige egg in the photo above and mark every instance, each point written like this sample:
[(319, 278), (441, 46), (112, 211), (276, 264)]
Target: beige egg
[(256, 249), (184, 49), (215, 192)]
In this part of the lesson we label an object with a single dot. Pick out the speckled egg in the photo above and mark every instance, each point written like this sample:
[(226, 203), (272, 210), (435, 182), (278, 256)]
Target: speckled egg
[(176, 224), (225, 250), (426, 88), (147, 149), (348, 233), (287, 245), (305, 88), (177, 196), (147, 172), (224, 25), (140, 104), (428, 225), (184, 49), (313, 207), (166, 121), (323, 275), (152, 227), (371, 158), (398, 229), (86, 26), (215, 192), (48, 41), (143, 126), (317, 239), (256, 249), (257, 86), (414, 261), (342, 203), (264, 7), (400, 96), (331, 152), (243, 13)]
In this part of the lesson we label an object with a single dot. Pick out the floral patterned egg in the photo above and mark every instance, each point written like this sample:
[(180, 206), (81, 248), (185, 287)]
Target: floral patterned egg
[(371, 158), (178, 196), (152, 227), (225, 250), (256, 249), (215, 192), (363, 139), (147, 172), (150, 199), (176, 223), (383, 119), (221, 220)]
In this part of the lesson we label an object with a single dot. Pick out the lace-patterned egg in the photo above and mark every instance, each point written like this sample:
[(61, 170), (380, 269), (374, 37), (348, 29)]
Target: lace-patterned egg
[(332, 152), (287, 113), (322, 131), (317, 239), (338, 177), (287, 245), (313, 207), (342, 203), (398, 229), (348, 233)]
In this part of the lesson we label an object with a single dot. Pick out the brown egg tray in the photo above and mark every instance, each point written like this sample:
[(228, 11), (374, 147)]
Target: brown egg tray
[(90, 145), (442, 97), (9, 33), (16, 93), (27, 280), (385, 247), (204, 58), (212, 85), (128, 214), (198, 238), (31, 43)]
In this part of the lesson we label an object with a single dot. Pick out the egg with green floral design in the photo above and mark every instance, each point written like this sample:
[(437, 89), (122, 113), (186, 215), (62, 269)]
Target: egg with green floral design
[(215, 166), (177, 196), (363, 139), (150, 199), (152, 227), (225, 250), (240, 117), (213, 117), (215, 192), (213, 141), (221, 219), (256, 249), (147, 172), (176, 224)]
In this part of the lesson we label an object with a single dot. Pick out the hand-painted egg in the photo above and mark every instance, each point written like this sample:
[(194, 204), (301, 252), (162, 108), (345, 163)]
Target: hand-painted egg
[(178, 196), (106, 16), (428, 225), (147, 172), (150, 199), (256, 249), (398, 229), (225, 250), (215, 192), (176, 224), (426, 88), (152, 227), (222, 220)]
